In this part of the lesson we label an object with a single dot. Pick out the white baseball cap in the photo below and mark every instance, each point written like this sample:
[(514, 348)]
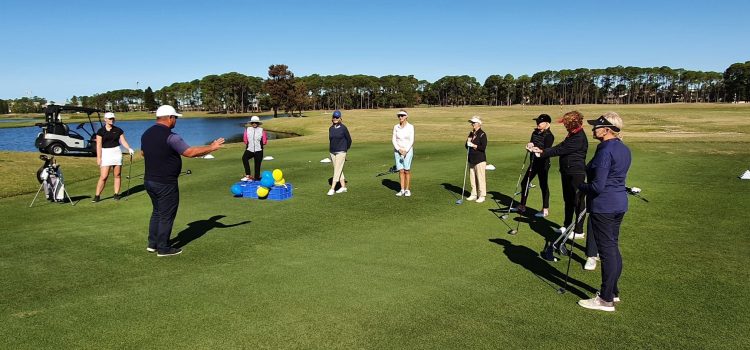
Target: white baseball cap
[(475, 119), (166, 111), (255, 119), (109, 115)]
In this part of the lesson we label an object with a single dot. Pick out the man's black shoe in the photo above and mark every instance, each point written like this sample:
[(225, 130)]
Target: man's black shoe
[(170, 252), (96, 199)]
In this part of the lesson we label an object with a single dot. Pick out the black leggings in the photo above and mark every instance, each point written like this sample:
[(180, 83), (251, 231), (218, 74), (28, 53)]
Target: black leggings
[(575, 200), (257, 158), (541, 168)]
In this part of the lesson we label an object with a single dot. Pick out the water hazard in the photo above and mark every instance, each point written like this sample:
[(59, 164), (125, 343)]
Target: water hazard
[(195, 131)]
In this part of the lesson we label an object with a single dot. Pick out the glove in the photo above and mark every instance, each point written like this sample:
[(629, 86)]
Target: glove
[(529, 146), (469, 144), (130, 150)]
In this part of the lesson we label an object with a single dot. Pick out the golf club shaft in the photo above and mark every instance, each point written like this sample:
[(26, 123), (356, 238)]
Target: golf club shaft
[(518, 183), (130, 170), (466, 168)]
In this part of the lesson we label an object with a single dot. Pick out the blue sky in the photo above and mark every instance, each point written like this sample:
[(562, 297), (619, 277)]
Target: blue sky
[(57, 49)]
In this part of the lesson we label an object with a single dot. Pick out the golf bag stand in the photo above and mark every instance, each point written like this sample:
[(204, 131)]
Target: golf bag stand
[(51, 180)]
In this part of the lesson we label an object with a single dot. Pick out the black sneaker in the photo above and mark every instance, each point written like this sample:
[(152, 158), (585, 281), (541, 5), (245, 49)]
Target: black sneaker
[(96, 199), (116, 196), (170, 252)]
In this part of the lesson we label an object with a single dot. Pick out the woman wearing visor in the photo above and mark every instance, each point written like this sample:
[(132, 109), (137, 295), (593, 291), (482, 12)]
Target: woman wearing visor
[(607, 202), (403, 151)]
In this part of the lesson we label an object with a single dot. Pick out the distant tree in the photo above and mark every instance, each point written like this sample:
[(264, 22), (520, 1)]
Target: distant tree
[(149, 101), (279, 86), (74, 101), (4, 108)]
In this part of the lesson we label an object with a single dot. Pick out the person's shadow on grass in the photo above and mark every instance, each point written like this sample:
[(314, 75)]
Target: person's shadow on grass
[(392, 185), (531, 261), (197, 229)]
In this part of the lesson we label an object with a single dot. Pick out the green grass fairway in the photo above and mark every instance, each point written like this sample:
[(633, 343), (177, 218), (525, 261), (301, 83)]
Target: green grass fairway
[(367, 269)]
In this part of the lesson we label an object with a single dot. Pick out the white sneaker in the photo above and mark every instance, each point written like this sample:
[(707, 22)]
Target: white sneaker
[(615, 299), (597, 303), (330, 192), (407, 193), (480, 199), (575, 235), (400, 193), (341, 190), (560, 230), (246, 178), (471, 198), (542, 214), (590, 263)]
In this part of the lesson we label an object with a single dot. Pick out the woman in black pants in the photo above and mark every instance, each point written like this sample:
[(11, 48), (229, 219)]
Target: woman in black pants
[(572, 153), (541, 137), (255, 141), (607, 202)]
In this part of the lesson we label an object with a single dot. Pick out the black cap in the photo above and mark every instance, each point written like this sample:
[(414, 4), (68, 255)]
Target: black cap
[(543, 118), (603, 122)]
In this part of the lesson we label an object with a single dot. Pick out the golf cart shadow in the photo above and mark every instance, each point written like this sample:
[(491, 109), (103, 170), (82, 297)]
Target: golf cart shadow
[(530, 260), (197, 229)]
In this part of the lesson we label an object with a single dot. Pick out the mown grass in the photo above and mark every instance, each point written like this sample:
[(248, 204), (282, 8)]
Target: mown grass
[(368, 270)]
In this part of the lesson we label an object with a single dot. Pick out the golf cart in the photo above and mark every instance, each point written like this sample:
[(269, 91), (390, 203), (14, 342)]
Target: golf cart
[(56, 138)]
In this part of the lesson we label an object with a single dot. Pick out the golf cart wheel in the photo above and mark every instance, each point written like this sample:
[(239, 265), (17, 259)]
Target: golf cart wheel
[(56, 149)]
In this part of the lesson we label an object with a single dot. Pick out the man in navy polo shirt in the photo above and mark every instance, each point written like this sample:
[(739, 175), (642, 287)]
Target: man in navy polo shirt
[(162, 150)]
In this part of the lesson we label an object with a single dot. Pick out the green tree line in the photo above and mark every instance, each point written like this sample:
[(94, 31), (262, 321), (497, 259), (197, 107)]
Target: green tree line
[(238, 93)]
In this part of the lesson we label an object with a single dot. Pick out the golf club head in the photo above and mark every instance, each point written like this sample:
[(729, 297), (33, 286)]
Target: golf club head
[(504, 217), (460, 201), (563, 250), (561, 290), (548, 254), (512, 232)]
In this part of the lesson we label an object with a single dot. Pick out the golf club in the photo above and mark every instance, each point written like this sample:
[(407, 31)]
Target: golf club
[(516, 189), (463, 187), (130, 169), (635, 192), (564, 251), (526, 193)]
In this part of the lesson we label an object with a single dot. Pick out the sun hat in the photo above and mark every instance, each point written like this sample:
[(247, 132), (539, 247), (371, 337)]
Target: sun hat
[(475, 119), (336, 114), (603, 122), (402, 112), (109, 115), (542, 118), (166, 111), (255, 119)]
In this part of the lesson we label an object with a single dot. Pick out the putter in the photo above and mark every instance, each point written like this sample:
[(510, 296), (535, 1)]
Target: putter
[(516, 189), (526, 194), (463, 187), (130, 169)]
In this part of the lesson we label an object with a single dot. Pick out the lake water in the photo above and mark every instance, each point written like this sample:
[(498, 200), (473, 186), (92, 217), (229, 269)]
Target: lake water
[(195, 131)]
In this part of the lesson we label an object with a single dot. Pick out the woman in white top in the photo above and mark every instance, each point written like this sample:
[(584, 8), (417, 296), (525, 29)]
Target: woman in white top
[(255, 139), (403, 151)]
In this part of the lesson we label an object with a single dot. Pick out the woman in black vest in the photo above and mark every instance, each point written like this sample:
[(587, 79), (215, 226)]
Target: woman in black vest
[(541, 137), (572, 153)]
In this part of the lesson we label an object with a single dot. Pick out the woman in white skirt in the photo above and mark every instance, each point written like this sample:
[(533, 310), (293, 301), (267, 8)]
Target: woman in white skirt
[(108, 154)]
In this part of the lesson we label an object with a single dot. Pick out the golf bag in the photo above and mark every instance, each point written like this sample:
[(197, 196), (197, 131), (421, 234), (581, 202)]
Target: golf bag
[(54, 187), (51, 181)]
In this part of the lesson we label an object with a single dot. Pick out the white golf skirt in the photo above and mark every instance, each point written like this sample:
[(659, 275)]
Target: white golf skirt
[(111, 156)]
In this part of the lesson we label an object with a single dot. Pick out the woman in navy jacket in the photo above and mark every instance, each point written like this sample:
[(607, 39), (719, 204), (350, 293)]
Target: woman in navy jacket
[(607, 202)]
